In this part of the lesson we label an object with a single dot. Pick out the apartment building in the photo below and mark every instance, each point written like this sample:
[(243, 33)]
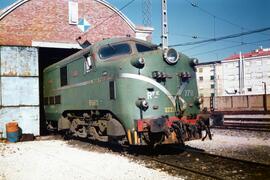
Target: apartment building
[(239, 74)]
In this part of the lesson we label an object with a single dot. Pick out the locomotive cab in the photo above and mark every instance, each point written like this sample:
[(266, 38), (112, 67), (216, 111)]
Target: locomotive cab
[(124, 90)]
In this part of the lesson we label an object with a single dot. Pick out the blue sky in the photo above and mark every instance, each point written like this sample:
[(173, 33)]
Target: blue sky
[(186, 21)]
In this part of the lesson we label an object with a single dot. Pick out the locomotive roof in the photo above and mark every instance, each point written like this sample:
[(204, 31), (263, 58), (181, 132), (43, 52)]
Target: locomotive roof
[(86, 50)]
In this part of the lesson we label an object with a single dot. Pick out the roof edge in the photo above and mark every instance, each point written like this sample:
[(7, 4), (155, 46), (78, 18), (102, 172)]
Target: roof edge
[(12, 7), (135, 28)]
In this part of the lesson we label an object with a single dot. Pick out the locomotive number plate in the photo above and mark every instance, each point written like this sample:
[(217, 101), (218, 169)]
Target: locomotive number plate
[(169, 109)]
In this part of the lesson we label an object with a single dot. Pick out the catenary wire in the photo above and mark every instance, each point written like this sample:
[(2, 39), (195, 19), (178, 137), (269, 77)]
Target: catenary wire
[(228, 47), (222, 37)]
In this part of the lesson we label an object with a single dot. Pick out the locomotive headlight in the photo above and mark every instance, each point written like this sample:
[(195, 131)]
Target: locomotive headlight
[(171, 56), (193, 62), (138, 62), (142, 104), (199, 100)]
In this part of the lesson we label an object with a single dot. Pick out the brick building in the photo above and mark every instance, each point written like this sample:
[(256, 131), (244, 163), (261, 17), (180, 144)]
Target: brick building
[(37, 33)]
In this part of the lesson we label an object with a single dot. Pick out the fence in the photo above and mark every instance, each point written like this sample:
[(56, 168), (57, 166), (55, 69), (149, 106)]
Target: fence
[(248, 103)]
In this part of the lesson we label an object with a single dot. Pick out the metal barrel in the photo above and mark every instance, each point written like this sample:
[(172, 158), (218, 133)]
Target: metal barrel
[(12, 130)]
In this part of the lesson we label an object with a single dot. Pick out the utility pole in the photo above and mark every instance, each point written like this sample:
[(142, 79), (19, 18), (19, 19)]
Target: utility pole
[(264, 98), (164, 25)]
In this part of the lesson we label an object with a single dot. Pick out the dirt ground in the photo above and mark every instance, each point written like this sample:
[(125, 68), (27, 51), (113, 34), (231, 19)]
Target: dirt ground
[(56, 159)]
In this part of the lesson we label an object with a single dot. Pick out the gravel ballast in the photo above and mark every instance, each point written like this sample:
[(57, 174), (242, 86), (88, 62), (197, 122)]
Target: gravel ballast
[(247, 145), (55, 159)]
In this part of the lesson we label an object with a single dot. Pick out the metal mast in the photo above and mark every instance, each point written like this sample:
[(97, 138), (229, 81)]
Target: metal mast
[(146, 8), (164, 25)]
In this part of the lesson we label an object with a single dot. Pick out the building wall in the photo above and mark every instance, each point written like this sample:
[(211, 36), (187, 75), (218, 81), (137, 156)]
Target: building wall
[(209, 79), (48, 21), (230, 77), (257, 70), (19, 88)]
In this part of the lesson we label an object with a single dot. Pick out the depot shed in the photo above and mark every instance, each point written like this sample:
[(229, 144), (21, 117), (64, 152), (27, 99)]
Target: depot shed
[(37, 33)]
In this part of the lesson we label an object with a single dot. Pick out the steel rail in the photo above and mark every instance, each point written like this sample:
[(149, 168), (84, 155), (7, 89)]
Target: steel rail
[(187, 149), (184, 168)]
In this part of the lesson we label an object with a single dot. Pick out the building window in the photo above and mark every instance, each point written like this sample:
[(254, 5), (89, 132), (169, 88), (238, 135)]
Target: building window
[(212, 94), (212, 86), (201, 78), (63, 76), (258, 62), (247, 63), (236, 64), (249, 89), (231, 77), (259, 75), (259, 88), (248, 76), (200, 70), (72, 12), (212, 77)]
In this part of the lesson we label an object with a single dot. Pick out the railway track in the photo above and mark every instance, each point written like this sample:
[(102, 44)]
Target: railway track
[(242, 127), (196, 164), (245, 122)]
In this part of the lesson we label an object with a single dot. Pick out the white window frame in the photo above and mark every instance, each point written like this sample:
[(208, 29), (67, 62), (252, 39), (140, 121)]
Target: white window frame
[(73, 12)]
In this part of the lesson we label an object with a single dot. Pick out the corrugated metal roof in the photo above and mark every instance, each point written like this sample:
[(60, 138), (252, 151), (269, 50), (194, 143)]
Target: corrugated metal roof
[(255, 53)]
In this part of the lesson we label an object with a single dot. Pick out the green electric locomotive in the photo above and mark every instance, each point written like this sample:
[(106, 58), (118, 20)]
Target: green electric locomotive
[(124, 90)]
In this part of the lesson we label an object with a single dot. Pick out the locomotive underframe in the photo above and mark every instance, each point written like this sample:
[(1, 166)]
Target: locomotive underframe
[(104, 126)]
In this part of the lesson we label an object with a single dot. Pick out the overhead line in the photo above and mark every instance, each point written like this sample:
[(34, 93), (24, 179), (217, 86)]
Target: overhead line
[(200, 37), (222, 37), (228, 47), (217, 17)]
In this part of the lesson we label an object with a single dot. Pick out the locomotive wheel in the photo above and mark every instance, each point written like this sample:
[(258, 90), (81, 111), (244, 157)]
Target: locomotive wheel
[(67, 135), (153, 139)]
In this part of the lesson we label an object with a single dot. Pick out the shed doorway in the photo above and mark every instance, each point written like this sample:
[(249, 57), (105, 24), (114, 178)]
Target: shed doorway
[(47, 57)]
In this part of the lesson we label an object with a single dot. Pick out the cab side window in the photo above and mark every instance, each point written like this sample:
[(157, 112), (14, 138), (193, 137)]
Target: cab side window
[(111, 50), (143, 48), (88, 66)]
